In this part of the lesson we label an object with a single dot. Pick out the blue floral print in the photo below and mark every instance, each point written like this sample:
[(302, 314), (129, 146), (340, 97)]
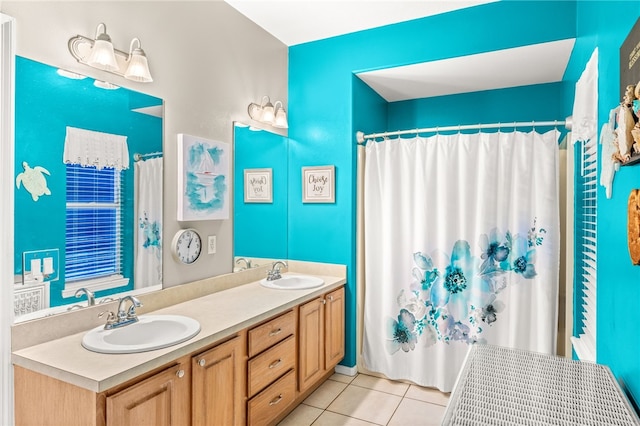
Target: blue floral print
[(454, 298)]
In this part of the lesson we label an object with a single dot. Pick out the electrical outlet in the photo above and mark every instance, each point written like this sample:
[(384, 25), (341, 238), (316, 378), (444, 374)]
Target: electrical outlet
[(211, 247)]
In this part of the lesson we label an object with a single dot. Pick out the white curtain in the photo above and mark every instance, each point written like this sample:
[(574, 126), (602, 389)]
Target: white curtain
[(148, 263), (461, 246)]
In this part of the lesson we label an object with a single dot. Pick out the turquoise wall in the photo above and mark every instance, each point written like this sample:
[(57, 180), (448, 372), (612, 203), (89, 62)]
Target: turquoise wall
[(540, 102), (323, 120), (260, 229), (45, 104), (606, 24)]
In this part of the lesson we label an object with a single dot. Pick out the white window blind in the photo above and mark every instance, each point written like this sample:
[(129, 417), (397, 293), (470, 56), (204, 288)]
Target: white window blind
[(584, 343), (94, 223)]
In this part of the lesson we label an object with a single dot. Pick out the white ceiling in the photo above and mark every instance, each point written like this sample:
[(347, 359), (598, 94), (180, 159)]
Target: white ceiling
[(300, 21), (521, 66)]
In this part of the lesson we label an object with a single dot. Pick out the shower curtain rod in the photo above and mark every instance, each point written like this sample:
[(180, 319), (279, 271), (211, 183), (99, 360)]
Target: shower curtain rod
[(361, 137), (138, 157)]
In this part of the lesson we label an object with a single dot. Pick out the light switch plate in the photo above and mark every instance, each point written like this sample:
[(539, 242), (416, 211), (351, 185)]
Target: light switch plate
[(211, 246)]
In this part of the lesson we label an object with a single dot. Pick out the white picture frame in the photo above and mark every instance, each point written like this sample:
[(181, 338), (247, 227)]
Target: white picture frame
[(258, 185), (318, 184)]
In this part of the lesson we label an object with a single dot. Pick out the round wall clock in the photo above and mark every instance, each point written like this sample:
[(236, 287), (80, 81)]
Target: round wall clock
[(186, 246)]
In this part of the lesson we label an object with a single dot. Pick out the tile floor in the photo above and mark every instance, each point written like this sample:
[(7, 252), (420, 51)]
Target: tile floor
[(365, 400)]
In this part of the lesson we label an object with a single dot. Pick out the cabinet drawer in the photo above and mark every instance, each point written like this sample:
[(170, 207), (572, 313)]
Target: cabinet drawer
[(268, 404), (271, 364), (271, 332)]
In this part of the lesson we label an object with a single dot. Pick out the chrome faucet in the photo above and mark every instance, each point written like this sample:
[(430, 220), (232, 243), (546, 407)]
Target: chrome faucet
[(247, 263), (91, 298), (274, 273), (123, 317)]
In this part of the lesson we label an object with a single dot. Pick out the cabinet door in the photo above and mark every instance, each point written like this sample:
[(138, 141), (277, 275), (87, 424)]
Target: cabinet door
[(311, 343), (162, 399), (218, 392), (334, 328)]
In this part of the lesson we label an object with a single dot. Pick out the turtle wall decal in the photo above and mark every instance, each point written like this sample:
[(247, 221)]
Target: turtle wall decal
[(34, 180)]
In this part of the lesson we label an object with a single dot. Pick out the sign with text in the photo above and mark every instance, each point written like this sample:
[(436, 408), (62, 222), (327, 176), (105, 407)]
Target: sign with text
[(318, 184), (630, 59), (258, 187)]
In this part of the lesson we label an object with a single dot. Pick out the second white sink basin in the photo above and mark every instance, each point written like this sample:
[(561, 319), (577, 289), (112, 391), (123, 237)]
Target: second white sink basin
[(149, 333), (293, 282)]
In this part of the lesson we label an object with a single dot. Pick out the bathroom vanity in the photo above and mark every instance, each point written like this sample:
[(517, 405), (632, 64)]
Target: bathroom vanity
[(259, 353)]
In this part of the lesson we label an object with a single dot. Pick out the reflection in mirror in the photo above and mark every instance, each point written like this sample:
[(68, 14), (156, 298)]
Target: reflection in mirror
[(260, 221), (86, 210)]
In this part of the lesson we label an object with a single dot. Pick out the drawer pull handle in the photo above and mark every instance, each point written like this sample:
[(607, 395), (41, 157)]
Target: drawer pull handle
[(180, 374), (275, 332), (276, 400), (202, 362), (274, 364)]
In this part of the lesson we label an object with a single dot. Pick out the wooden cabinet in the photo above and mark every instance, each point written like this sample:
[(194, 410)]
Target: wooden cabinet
[(160, 400), (255, 377), (271, 369), (207, 388), (321, 337), (218, 384)]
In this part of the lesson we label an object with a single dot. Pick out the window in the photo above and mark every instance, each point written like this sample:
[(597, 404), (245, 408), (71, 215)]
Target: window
[(93, 223)]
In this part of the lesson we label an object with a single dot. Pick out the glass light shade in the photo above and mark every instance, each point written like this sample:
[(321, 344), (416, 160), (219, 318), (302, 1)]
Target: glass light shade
[(102, 55), (281, 119), (268, 113), (138, 69)]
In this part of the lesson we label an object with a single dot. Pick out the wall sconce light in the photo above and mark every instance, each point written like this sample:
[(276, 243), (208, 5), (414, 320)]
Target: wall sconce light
[(99, 53), (267, 113)]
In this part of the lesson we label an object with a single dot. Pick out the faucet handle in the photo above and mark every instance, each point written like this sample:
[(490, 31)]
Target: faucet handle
[(111, 318)]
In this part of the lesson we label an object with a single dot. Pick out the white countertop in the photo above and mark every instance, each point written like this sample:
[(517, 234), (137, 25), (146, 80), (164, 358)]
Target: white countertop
[(220, 315)]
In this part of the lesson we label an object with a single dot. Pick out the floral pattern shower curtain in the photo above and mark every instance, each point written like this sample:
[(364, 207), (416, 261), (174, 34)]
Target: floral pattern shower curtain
[(148, 262), (461, 246)]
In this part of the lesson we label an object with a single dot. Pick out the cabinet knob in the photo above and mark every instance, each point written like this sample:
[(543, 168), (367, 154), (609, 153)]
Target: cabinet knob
[(330, 298), (324, 301), (202, 362), (276, 400), (275, 363), (275, 332), (180, 374)]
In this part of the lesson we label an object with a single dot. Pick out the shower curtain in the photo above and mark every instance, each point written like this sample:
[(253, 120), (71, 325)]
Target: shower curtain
[(461, 247), (148, 262)]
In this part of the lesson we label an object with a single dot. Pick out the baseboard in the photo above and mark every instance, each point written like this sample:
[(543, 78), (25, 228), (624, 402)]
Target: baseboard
[(347, 371)]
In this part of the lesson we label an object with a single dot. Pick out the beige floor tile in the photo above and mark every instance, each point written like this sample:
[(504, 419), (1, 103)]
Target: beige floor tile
[(342, 378), (431, 395), (333, 419), (303, 415), (327, 392), (365, 404), (382, 385), (417, 413)]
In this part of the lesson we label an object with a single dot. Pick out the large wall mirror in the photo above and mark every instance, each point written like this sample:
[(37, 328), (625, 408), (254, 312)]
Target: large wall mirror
[(88, 193), (260, 196)]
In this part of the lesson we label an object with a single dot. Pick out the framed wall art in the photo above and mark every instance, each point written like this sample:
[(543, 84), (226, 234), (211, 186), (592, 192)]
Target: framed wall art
[(318, 184), (258, 186), (203, 179)]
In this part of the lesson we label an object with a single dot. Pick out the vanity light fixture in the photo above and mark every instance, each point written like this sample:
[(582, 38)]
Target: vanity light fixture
[(267, 113), (99, 53)]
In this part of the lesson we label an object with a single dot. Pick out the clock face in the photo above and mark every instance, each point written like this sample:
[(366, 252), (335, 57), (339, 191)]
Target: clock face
[(187, 246)]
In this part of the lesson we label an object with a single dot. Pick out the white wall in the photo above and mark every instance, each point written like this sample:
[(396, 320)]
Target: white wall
[(208, 63)]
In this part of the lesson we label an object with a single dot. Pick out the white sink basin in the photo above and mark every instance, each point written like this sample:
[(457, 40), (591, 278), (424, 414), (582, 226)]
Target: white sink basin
[(293, 282), (149, 333)]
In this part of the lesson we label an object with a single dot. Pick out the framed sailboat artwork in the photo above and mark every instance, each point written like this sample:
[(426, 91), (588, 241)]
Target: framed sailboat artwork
[(203, 178)]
